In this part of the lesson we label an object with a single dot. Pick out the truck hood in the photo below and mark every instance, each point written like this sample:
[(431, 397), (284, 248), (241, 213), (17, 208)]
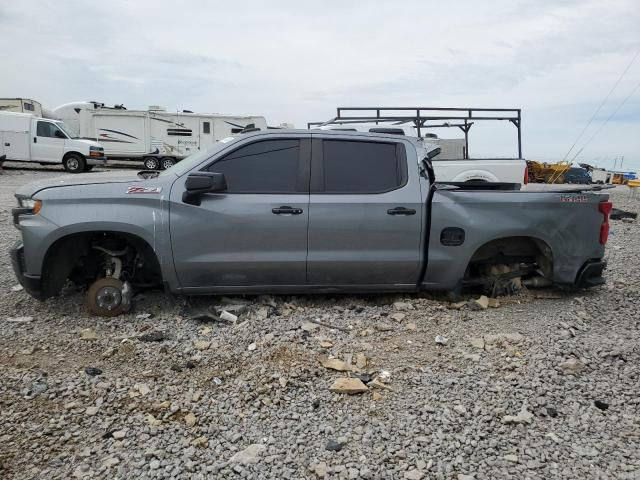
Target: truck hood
[(79, 179)]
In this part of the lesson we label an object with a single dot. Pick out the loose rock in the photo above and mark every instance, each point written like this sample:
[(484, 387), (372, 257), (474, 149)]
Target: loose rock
[(334, 364), (481, 303), (523, 416), (349, 386), (403, 306), (190, 419), (333, 446), (250, 455), (573, 366)]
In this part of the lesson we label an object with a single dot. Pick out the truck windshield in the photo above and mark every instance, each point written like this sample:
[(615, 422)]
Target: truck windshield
[(191, 161)]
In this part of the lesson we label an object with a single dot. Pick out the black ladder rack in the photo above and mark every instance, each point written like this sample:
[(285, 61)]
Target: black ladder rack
[(420, 117)]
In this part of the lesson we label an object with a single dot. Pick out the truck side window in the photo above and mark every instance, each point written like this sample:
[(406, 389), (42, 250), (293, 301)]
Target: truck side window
[(269, 166), (362, 167), (206, 127), (46, 129)]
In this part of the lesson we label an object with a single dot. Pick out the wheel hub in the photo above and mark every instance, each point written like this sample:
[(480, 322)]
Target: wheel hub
[(108, 298)]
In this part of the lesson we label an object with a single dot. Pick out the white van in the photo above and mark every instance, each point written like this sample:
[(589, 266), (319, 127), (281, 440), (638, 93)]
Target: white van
[(27, 138)]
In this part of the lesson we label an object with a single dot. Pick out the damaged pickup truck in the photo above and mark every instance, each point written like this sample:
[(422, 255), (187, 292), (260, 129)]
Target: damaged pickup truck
[(288, 211)]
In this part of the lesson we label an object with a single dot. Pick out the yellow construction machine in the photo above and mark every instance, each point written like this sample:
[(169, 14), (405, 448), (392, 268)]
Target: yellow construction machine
[(543, 172)]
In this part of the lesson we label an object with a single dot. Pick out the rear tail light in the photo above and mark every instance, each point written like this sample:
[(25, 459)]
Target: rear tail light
[(604, 208), (526, 174)]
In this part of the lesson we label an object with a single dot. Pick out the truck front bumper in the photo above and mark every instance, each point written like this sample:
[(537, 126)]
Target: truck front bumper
[(31, 283), (590, 275)]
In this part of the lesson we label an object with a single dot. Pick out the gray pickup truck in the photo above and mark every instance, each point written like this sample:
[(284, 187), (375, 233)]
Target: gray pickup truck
[(288, 211)]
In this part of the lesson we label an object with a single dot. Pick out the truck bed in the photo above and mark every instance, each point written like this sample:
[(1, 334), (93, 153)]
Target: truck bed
[(565, 221)]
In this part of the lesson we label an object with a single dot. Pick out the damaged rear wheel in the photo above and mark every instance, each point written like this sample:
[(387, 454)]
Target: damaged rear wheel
[(108, 297)]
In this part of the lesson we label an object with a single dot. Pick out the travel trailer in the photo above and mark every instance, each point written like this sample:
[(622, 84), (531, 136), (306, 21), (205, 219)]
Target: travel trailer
[(21, 105), (154, 136), (28, 138)]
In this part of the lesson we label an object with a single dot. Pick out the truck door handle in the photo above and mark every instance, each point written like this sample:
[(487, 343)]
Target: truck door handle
[(7, 144), (286, 210), (401, 211), (35, 139)]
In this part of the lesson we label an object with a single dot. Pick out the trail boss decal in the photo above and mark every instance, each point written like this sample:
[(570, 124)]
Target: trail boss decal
[(144, 189), (573, 198)]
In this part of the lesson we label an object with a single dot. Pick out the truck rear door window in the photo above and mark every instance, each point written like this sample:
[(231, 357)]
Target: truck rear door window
[(362, 167), (270, 166)]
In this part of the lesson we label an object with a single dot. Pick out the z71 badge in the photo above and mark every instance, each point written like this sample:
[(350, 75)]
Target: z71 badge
[(144, 189)]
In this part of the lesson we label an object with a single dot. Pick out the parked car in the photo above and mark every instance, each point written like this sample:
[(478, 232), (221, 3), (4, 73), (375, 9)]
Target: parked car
[(27, 138), (290, 211)]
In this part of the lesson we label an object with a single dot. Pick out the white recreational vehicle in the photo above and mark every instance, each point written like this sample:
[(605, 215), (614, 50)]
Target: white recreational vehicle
[(155, 136), (21, 105), (28, 138)]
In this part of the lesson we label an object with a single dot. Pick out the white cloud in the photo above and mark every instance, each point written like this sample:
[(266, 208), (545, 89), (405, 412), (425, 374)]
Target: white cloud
[(297, 61)]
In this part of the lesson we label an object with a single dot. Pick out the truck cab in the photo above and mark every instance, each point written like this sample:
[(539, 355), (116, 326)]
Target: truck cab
[(27, 138)]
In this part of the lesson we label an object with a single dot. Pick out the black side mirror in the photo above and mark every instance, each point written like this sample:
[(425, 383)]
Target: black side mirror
[(202, 182), (59, 134)]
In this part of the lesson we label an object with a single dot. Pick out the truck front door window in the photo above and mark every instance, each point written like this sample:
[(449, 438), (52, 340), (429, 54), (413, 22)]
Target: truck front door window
[(50, 130), (46, 129), (270, 166)]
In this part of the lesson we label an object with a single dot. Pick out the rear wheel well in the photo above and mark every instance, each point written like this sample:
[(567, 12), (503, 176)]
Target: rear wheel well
[(507, 256), (74, 257)]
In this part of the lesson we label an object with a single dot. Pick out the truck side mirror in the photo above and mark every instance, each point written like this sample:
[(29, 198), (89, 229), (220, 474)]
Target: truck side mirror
[(59, 134), (200, 183)]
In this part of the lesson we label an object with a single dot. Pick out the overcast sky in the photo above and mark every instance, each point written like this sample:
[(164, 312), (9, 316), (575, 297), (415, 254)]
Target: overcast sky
[(296, 61)]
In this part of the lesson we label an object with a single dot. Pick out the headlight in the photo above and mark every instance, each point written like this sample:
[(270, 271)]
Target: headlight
[(33, 204)]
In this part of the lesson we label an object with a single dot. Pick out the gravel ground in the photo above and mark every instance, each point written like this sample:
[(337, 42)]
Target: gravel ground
[(554, 393)]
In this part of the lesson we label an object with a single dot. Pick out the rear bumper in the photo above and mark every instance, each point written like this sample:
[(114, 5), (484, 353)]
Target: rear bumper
[(590, 275), (31, 283)]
